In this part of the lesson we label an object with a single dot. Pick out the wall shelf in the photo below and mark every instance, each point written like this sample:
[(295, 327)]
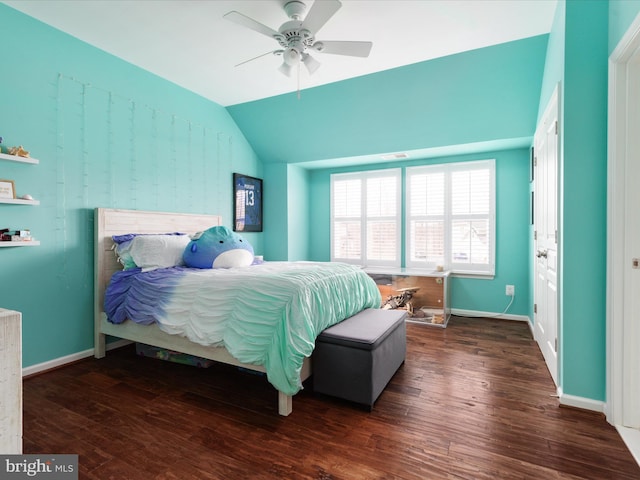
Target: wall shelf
[(19, 201), (30, 243), (15, 158)]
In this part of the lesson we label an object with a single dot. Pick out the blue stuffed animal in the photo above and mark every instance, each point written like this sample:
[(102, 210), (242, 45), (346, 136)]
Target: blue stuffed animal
[(218, 247)]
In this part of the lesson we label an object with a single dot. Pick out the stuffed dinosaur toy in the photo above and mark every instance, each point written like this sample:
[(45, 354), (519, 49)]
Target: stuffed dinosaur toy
[(218, 247)]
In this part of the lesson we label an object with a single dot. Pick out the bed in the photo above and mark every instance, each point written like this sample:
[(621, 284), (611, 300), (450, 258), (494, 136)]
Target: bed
[(286, 363)]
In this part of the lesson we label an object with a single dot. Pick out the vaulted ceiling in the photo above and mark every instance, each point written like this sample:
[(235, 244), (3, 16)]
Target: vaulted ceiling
[(191, 44)]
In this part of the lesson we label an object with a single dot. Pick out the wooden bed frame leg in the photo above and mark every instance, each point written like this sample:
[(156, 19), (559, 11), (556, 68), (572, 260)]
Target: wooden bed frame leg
[(99, 346), (285, 404)]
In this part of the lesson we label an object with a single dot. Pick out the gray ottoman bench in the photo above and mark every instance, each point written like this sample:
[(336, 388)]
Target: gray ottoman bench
[(356, 358)]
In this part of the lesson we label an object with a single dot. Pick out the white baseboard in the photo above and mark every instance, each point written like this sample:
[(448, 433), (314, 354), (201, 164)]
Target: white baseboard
[(479, 314), (631, 438), (58, 362), (580, 402)]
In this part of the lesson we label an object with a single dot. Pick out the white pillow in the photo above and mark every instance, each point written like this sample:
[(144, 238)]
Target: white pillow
[(154, 251)]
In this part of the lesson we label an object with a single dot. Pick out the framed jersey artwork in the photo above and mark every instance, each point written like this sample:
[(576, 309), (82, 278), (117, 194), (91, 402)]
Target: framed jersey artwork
[(247, 203)]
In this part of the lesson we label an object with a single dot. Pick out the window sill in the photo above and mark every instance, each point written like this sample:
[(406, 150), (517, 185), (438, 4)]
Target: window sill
[(428, 272), (476, 275), (416, 272)]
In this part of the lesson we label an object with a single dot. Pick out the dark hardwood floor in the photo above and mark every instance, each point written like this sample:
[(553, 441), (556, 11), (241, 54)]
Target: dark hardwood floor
[(472, 401)]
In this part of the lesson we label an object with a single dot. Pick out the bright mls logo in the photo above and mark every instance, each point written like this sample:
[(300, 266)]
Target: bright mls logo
[(51, 467)]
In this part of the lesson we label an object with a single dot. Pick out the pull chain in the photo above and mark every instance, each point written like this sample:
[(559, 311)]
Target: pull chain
[(299, 80)]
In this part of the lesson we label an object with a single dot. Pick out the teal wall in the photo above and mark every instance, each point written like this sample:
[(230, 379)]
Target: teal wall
[(276, 217), (512, 230), (107, 134), (554, 64), (621, 15), (577, 59), (584, 197), (299, 220), (286, 216), (482, 95)]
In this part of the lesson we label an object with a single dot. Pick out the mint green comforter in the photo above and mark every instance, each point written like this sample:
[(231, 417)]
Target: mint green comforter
[(268, 314)]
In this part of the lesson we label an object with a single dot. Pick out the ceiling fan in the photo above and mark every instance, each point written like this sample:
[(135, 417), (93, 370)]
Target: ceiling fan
[(297, 37)]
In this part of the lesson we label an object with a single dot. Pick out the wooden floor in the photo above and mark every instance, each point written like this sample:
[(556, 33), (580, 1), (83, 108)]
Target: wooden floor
[(472, 401)]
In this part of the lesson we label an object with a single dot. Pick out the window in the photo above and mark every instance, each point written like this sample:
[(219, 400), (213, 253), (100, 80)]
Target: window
[(451, 217), (365, 217)]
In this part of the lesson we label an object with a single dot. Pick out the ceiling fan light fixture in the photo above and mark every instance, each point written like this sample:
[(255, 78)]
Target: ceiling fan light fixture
[(291, 56), (285, 69), (311, 63)]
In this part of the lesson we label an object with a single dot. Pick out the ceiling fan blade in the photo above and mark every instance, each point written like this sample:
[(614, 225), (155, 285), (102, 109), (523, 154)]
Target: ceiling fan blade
[(274, 52), (352, 49), (240, 19), (319, 14)]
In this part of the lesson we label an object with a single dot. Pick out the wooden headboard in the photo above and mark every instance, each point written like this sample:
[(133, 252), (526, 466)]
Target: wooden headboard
[(109, 222)]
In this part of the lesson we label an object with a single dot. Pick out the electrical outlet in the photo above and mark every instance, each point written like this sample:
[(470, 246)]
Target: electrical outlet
[(510, 290)]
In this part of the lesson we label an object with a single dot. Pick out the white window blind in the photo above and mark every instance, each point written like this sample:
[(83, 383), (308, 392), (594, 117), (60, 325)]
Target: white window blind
[(451, 217), (365, 217)]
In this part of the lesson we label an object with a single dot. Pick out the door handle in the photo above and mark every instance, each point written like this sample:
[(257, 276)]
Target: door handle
[(541, 253)]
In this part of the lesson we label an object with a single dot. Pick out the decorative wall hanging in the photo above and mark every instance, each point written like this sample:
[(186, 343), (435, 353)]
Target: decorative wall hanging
[(247, 203), (7, 189)]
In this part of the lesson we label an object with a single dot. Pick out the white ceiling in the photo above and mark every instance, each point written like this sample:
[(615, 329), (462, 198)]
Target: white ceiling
[(190, 43)]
